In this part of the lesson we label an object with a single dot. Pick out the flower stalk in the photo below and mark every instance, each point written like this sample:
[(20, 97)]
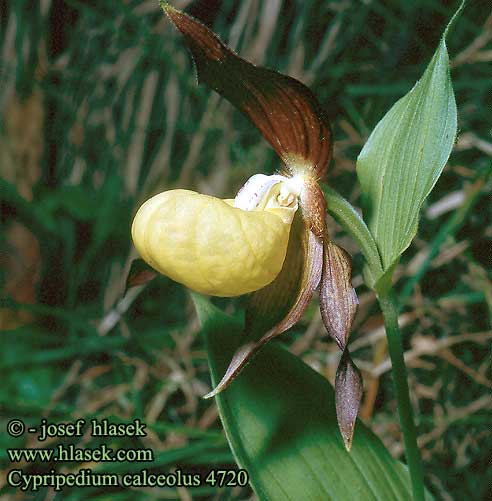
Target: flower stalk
[(388, 303)]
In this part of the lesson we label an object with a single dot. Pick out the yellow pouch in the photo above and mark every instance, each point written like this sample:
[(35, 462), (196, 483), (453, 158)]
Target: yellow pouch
[(209, 245)]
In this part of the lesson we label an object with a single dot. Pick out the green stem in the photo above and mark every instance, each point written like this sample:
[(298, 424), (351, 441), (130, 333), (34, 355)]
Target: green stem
[(389, 307), (348, 218)]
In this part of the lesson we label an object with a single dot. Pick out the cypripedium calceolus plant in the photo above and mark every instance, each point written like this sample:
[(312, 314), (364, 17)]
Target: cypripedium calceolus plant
[(271, 240)]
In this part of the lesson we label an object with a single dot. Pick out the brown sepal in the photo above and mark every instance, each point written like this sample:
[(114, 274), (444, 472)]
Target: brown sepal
[(348, 395), (285, 111), (337, 298), (262, 314)]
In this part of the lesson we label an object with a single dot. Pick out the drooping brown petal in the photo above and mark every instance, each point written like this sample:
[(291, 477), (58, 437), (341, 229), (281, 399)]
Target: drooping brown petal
[(311, 275), (285, 111), (239, 360), (348, 394), (337, 298), (262, 314), (270, 305)]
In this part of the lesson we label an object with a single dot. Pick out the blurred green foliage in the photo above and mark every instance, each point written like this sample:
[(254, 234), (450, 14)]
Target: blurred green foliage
[(99, 108)]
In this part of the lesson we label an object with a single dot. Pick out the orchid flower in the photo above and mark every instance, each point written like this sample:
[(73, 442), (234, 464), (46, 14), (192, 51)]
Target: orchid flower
[(271, 240)]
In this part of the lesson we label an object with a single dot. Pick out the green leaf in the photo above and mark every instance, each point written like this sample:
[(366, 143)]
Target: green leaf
[(404, 156), (279, 418)]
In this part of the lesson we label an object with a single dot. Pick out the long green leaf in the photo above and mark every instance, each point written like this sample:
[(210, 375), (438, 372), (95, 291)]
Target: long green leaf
[(279, 418), (404, 157)]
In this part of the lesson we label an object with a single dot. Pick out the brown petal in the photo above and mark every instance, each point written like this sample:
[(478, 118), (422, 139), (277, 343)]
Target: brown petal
[(337, 298), (239, 360), (310, 277), (285, 111), (270, 305), (348, 394), (277, 307)]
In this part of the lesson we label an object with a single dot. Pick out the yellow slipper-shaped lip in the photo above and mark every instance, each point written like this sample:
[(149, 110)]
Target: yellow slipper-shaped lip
[(209, 245)]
